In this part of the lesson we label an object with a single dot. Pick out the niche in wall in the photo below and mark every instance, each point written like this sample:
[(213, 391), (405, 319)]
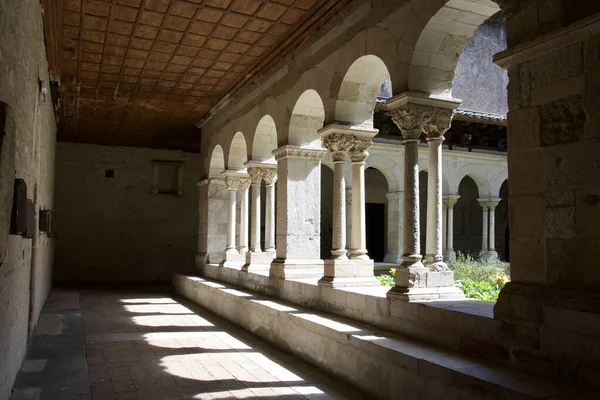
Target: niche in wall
[(168, 177)]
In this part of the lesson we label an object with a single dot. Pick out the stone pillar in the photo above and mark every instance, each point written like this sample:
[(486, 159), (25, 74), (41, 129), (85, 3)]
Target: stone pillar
[(449, 202), (547, 311), (444, 227), (435, 130), (358, 155), (485, 226), (411, 113), (212, 227), (339, 270), (492, 204), (270, 179), (244, 186), (233, 183), (298, 228), (395, 227), (348, 204)]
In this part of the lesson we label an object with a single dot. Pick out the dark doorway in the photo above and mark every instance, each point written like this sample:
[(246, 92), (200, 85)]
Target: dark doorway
[(375, 221)]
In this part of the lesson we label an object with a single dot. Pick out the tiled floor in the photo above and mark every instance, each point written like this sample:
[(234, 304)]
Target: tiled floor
[(146, 344)]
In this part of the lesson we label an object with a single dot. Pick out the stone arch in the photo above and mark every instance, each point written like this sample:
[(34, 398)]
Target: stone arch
[(217, 162), (475, 172), (238, 153), (265, 140), (376, 207), (307, 118), (468, 217), (441, 43), (358, 91), (388, 167)]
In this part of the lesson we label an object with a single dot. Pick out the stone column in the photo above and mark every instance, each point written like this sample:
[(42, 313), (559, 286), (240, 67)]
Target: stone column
[(489, 229), (449, 202), (435, 130), (444, 227), (411, 112), (340, 271), (338, 145), (395, 227), (256, 175), (358, 155), (244, 186), (233, 184), (270, 178), (298, 228), (485, 226)]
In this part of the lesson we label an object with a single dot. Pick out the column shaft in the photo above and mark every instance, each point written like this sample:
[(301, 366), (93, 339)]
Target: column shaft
[(338, 242), (270, 179), (359, 229), (231, 214), (412, 244), (484, 236), (255, 219), (444, 227), (492, 234), (244, 219), (450, 229), (434, 254)]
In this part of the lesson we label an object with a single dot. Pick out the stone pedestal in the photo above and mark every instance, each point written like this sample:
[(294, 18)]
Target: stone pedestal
[(415, 114), (298, 229)]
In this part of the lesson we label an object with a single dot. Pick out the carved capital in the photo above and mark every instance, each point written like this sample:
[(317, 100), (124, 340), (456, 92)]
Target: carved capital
[(270, 176), (411, 119), (245, 183), (450, 201), (439, 123), (338, 145), (289, 151), (256, 174), (359, 152), (490, 203), (232, 182)]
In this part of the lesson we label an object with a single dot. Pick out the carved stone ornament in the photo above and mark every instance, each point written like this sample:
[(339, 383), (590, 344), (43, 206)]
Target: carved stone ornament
[(359, 151), (245, 183), (288, 151), (339, 145), (232, 182), (411, 120), (439, 123), (450, 201), (256, 174), (270, 176)]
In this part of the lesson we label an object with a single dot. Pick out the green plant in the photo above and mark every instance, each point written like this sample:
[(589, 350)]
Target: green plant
[(482, 290), (386, 280)]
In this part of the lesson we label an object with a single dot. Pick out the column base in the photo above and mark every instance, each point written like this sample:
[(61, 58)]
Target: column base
[(348, 273), (422, 277), (296, 269), (233, 259), (490, 254), (393, 258), (449, 256), (258, 261), (426, 293)]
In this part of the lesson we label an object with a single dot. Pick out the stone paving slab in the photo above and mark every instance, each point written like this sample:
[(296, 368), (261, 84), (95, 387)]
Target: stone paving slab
[(113, 345)]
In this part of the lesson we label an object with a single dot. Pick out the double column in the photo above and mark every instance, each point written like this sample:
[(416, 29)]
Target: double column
[(256, 259), (340, 270), (488, 237), (416, 114), (234, 181)]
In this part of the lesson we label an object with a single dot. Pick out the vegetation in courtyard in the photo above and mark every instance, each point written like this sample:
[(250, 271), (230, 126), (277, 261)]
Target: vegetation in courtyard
[(479, 279)]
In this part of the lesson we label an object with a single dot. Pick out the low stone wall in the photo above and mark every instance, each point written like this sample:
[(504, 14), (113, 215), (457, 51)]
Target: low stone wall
[(385, 365), (466, 325)]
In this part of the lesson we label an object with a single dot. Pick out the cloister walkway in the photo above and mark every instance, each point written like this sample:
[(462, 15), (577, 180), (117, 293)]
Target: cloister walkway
[(143, 343)]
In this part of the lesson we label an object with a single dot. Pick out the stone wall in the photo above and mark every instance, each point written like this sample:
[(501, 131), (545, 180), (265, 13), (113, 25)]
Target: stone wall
[(117, 229), (27, 152)]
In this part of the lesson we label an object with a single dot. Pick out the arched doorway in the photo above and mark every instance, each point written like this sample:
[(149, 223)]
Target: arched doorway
[(376, 189), (468, 218)]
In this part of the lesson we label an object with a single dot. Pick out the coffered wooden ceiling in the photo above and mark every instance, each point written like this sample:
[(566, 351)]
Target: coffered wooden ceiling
[(144, 72)]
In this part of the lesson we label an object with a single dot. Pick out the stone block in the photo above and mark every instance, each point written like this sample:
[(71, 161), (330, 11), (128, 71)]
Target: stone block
[(587, 213), (526, 215), (560, 222), (572, 321), (557, 66), (524, 129), (526, 172), (528, 260), (562, 121), (571, 165)]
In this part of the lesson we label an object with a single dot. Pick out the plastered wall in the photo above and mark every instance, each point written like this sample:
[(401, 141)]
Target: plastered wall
[(116, 229), (28, 148)]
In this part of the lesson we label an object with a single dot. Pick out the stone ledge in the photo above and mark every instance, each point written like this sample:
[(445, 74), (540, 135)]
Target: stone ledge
[(382, 363)]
